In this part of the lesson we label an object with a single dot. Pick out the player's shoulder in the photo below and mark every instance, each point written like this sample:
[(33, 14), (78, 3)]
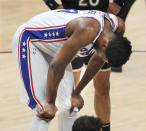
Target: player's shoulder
[(83, 24)]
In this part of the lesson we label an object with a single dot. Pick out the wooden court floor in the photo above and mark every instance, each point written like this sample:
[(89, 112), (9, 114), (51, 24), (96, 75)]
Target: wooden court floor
[(128, 89)]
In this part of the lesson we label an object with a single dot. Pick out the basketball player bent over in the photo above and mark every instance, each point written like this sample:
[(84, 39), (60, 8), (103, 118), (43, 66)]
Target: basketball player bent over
[(101, 80), (44, 47)]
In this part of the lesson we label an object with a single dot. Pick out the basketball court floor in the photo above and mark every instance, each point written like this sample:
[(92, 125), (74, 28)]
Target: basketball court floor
[(128, 89)]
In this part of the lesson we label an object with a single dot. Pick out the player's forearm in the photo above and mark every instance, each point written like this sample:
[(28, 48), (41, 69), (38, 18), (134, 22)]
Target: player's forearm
[(52, 4), (53, 79), (93, 67)]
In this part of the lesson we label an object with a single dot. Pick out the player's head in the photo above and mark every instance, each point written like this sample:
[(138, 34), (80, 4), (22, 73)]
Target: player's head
[(118, 51), (87, 123)]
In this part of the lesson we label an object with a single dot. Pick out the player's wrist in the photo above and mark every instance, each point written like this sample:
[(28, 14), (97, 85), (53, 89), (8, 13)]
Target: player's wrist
[(76, 93), (50, 102)]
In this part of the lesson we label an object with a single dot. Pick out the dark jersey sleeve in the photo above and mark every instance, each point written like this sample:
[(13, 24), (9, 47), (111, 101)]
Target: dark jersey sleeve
[(101, 5), (120, 2), (125, 9)]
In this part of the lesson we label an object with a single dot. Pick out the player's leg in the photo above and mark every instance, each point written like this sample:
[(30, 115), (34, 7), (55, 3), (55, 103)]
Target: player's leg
[(29, 60), (37, 124), (65, 119), (63, 103), (34, 125), (102, 96), (76, 76), (38, 61)]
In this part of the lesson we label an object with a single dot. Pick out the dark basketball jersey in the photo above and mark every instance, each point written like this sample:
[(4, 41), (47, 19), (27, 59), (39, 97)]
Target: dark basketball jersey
[(86, 4), (83, 4), (120, 2)]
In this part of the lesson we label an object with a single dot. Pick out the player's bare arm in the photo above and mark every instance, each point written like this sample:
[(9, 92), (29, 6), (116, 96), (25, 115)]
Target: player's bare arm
[(79, 36), (96, 62), (94, 65), (81, 32)]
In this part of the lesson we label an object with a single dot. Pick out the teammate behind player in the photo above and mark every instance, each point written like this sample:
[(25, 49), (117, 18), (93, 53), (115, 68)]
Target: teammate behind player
[(45, 45)]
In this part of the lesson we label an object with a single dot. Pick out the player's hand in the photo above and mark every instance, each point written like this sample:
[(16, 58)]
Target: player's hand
[(113, 8), (76, 101), (48, 113)]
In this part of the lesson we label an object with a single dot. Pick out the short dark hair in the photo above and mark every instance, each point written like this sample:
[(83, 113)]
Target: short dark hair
[(87, 123), (118, 51)]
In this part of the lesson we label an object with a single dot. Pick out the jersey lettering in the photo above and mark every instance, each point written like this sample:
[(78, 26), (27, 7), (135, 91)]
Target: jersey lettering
[(92, 12), (86, 51), (84, 3), (93, 3)]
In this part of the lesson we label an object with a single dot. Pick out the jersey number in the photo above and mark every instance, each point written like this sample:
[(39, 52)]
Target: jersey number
[(91, 3)]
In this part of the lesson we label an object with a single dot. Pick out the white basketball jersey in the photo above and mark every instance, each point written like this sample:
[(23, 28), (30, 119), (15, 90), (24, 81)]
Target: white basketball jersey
[(49, 27), (47, 32)]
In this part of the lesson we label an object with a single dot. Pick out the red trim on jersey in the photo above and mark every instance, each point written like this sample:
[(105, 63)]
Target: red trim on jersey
[(40, 28), (19, 59), (103, 21), (49, 41), (117, 23), (30, 72), (31, 76)]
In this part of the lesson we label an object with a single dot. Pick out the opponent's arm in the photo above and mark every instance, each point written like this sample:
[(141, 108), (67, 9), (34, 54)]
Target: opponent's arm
[(119, 2), (123, 13), (121, 8)]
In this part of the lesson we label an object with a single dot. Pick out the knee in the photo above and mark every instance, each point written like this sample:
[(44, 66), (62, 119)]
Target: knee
[(34, 126)]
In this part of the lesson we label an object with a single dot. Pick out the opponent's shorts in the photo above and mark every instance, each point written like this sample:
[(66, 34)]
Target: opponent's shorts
[(33, 64), (79, 62)]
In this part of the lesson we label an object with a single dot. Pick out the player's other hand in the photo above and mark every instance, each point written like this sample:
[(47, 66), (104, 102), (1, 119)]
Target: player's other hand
[(113, 8), (76, 101), (48, 113)]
